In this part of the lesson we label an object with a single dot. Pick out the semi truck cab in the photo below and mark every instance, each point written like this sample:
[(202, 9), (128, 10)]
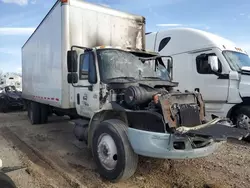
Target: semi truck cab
[(215, 66)]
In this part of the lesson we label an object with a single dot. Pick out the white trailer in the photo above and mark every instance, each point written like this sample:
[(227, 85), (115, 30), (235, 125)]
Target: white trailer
[(216, 66), (123, 96)]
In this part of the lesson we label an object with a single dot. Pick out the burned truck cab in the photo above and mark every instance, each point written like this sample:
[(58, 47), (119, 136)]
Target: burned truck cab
[(134, 109), (162, 122)]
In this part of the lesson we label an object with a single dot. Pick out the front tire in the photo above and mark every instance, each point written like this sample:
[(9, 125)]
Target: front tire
[(6, 181), (242, 117), (112, 152)]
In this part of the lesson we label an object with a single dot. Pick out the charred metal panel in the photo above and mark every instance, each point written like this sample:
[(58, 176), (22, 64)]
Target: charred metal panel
[(166, 105), (180, 109), (201, 105)]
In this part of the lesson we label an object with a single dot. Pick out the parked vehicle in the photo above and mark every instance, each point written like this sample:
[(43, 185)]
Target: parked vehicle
[(123, 95), (5, 180), (212, 64), (10, 98)]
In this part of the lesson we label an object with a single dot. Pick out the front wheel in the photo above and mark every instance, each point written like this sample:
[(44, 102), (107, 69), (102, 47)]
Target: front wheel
[(6, 181), (112, 151), (242, 117)]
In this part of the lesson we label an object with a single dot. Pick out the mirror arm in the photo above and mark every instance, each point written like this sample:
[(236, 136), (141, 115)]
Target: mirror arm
[(220, 75)]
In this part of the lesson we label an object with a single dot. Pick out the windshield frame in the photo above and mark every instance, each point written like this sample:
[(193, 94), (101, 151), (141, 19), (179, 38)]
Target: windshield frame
[(140, 58), (229, 61)]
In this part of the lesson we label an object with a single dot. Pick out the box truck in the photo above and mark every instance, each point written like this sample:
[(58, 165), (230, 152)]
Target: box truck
[(89, 62), (218, 67)]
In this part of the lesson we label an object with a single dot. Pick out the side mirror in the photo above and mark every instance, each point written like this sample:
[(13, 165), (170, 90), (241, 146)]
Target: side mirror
[(72, 78), (214, 63), (72, 61)]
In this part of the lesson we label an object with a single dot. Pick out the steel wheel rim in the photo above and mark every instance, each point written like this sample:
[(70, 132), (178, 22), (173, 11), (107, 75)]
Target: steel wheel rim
[(107, 151), (243, 121)]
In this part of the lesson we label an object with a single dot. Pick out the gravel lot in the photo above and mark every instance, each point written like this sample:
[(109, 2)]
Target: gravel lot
[(53, 158)]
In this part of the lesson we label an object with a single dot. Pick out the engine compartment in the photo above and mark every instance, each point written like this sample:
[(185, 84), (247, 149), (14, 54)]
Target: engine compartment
[(176, 108)]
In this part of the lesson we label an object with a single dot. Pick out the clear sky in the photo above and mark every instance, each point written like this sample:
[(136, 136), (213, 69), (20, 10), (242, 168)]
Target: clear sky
[(228, 18)]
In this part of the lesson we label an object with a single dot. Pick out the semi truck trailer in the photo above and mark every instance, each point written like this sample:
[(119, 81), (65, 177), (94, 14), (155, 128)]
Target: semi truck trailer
[(89, 62)]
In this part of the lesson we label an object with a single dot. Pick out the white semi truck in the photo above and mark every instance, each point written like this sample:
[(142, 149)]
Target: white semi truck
[(214, 65), (88, 62)]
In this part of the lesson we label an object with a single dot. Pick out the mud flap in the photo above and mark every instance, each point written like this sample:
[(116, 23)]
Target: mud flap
[(218, 132)]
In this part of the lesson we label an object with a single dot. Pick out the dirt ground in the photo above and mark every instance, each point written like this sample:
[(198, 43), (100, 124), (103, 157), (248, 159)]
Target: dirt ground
[(53, 158)]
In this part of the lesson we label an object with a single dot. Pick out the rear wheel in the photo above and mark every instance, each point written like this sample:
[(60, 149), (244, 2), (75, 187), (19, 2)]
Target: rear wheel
[(44, 113), (58, 113), (35, 113), (73, 116), (112, 151), (28, 110)]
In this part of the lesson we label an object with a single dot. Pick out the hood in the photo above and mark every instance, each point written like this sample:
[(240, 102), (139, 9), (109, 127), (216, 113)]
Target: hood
[(244, 86)]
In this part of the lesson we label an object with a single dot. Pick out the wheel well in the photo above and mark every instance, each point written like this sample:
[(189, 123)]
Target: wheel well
[(246, 101), (101, 116)]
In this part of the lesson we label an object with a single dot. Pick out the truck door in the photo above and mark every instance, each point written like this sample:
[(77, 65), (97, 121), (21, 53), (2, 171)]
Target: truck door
[(214, 87), (86, 93)]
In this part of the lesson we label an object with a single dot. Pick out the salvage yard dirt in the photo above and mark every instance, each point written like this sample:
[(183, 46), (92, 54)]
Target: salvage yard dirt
[(53, 158)]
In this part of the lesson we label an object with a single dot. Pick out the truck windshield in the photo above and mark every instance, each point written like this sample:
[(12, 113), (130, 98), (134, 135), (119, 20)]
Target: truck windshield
[(236, 60), (118, 64)]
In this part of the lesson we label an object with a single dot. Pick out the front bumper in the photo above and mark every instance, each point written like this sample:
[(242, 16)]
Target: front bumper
[(161, 145)]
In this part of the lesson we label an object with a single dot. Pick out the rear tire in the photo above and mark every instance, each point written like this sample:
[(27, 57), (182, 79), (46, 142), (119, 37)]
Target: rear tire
[(112, 151), (44, 113), (73, 117), (35, 113), (58, 113), (28, 110)]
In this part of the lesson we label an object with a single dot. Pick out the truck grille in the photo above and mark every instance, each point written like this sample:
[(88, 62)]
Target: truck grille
[(189, 115)]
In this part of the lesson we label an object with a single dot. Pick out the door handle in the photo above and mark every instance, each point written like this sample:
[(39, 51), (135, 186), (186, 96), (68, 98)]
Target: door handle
[(78, 98)]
